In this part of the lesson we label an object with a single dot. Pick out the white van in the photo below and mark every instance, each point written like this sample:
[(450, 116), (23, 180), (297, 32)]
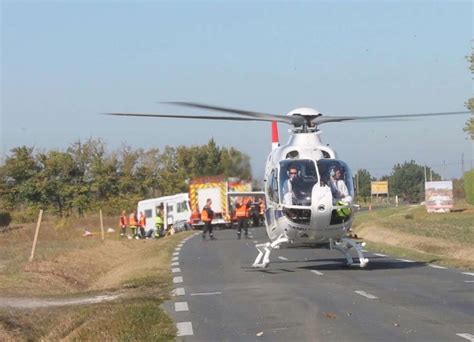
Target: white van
[(176, 211)]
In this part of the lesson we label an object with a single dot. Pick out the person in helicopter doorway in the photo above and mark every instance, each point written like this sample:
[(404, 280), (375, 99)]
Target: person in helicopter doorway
[(340, 193), (290, 185)]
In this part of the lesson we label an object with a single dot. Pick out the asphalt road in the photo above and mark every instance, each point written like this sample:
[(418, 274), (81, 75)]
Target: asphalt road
[(308, 295)]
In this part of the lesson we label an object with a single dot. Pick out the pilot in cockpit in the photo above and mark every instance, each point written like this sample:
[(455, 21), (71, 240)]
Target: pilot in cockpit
[(288, 185)]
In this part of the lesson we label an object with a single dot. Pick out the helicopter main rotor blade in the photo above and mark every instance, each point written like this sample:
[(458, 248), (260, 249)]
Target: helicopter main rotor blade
[(291, 120), (199, 117), (325, 119)]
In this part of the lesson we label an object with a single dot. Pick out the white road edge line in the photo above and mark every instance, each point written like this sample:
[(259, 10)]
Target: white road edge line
[(469, 281), (177, 249), (175, 258), (175, 253), (185, 329), (206, 293), (181, 306), (366, 295), (405, 260), (177, 280), (283, 258), (178, 292), (380, 255), (466, 336), (438, 267), (176, 263), (176, 270), (317, 272), (468, 273)]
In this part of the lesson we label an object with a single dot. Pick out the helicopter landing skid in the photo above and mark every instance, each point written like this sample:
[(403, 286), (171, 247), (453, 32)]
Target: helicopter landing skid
[(264, 250), (345, 244)]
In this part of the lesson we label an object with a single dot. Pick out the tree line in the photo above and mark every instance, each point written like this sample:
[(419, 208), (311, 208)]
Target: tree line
[(407, 180), (86, 176)]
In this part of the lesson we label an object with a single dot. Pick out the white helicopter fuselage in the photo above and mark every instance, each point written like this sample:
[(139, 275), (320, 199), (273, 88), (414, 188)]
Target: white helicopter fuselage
[(316, 227)]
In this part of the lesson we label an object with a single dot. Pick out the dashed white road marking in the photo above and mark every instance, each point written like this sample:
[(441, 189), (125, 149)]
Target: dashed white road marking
[(206, 293), (185, 329), (176, 270), (365, 294), (466, 336), (177, 280), (178, 292), (175, 253), (282, 258), (380, 255), (176, 263), (405, 260), (317, 272), (469, 281), (177, 249), (468, 273), (181, 306), (255, 241), (438, 267), (175, 258)]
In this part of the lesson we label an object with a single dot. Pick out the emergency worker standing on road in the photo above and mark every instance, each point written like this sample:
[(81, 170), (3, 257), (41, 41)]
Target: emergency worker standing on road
[(142, 225), (207, 215), (242, 213), (133, 221), (123, 223), (159, 224)]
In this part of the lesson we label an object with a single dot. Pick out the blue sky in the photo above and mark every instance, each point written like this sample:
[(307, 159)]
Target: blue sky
[(63, 62)]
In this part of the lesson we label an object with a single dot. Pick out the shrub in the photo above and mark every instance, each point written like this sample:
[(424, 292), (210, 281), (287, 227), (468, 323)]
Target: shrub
[(5, 219), (469, 186)]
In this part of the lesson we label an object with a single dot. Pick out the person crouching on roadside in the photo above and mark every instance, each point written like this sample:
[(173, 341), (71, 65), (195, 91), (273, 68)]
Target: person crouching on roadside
[(123, 223)]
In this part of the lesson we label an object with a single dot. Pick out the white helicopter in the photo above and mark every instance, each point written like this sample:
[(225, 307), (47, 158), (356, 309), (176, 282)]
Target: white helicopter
[(308, 190)]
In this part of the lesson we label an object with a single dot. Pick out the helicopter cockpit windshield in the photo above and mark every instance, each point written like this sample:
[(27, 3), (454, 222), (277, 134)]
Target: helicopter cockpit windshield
[(337, 175), (297, 178)]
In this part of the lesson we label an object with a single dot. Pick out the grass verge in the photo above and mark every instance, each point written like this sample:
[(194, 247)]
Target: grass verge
[(410, 232), (69, 265)]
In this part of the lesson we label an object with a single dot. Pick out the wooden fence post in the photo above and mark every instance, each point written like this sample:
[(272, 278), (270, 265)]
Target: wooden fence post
[(36, 235), (101, 224)]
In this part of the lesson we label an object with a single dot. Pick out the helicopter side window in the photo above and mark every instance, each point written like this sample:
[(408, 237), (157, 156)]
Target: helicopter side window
[(272, 186), (297, 178)]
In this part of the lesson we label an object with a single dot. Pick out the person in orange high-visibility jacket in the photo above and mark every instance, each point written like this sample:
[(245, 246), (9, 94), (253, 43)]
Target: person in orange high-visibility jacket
[(133, 223), (195, 216), (261, 204), (142, 224), (123, 223), (207, 215), (242, 214)]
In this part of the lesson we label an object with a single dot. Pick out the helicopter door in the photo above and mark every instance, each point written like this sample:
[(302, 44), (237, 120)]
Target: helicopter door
[(297, 179), (337, 176)]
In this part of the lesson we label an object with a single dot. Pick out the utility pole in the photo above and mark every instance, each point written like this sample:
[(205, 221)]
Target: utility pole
[(462, 165), (425, 173), (444, 170), (357, 184)]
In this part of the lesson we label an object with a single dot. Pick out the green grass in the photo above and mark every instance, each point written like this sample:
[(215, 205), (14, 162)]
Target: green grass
[(69, 265), (454, 226), (411, 254), (414, 233)]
